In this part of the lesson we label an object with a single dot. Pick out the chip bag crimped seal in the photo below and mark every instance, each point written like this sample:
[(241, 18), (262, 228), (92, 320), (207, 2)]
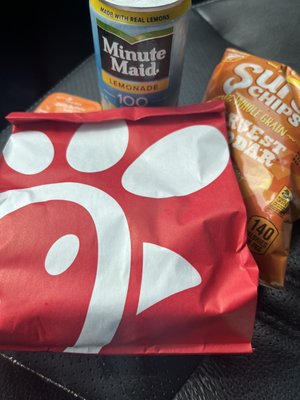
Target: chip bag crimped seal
[(124, 232), (263, 117)]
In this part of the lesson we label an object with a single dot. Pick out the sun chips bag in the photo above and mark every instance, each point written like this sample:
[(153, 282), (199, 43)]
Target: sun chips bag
[(123, 232), (263, 118)]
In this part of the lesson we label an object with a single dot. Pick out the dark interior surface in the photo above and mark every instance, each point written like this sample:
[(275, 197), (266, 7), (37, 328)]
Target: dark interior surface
[(272, 372), (40, 44)]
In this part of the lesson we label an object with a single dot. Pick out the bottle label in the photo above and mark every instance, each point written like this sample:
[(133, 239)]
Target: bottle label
[(138, 64)]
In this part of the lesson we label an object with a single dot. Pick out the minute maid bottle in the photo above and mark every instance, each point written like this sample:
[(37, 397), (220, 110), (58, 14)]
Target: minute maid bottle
[(139, 50)]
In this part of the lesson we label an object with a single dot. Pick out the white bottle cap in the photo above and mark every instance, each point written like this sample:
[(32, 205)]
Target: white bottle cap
[(142, 3)]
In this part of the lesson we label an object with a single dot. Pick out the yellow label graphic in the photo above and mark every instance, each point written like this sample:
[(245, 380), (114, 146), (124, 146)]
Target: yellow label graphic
[(135, 87), (282, 201), (159, 16)]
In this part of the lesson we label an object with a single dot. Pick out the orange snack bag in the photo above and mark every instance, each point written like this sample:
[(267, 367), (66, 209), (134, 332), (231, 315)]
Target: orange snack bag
[(67, 103), (263, 116)]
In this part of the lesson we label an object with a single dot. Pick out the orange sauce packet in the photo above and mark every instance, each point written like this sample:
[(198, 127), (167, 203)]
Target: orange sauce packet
[(263, 117), (67, 103)]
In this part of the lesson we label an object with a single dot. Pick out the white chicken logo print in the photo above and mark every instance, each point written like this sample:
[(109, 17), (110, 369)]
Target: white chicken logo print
[(126, 186)]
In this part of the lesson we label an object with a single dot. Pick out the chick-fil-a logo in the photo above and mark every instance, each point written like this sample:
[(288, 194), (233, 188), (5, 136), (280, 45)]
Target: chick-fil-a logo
[(171, 167)]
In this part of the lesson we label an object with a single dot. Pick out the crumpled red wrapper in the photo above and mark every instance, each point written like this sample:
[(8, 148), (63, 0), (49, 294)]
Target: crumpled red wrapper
[(123, 232)]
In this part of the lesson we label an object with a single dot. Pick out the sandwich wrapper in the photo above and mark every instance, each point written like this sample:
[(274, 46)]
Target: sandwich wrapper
[(124, 232)]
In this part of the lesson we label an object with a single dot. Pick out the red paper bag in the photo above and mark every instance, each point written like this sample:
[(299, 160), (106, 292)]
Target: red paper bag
[(123, 232)]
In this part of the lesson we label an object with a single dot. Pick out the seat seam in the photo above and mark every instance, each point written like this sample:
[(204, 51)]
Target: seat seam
[(205, 3), (229, 44), (17, 363)]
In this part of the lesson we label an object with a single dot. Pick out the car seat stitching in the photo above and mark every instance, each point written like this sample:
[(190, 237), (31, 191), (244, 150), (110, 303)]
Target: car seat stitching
[(17, 363)]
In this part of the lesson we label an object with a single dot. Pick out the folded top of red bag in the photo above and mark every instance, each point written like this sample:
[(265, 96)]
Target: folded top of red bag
[(123, 232)]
